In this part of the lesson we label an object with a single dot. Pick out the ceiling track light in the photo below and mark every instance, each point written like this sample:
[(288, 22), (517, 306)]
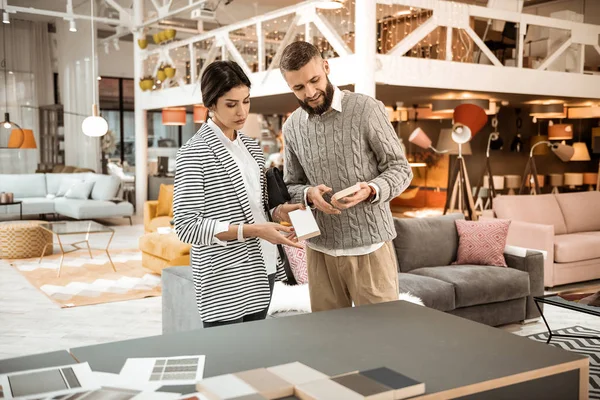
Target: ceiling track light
[(116, 44), (72, 26), (5, 17)]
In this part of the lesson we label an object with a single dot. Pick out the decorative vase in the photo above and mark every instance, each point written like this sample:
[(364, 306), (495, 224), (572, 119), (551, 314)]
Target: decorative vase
[(170, 72), (3, 198), (156, 38), (143, 43), (170, 34), (10, 196), (161, 75)]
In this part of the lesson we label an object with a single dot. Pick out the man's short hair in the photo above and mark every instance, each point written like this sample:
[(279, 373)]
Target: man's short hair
[(297, 55)]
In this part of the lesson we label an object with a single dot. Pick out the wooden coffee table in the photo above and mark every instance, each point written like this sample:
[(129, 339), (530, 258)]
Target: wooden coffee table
[(66, 228)]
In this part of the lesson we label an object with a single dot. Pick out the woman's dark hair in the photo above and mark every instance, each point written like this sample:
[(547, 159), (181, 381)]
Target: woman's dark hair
[(219, 78)]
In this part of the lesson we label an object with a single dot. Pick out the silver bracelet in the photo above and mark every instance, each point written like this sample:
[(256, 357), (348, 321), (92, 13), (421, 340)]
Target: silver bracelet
[(240, 233)]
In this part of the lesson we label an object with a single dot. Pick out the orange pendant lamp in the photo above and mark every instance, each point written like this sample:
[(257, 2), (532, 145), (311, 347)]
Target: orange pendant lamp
[(173, 116), (200, 113)]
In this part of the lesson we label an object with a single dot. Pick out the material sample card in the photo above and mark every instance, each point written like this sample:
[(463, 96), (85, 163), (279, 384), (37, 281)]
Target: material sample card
[(366, 387), (297, 373), (167, 370), (324, 390), (225, 387), (48, 382), (304, 224), (266, 383), (404, 387)]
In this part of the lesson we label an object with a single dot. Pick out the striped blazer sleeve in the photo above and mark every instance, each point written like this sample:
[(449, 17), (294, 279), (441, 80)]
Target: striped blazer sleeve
[(189, 202)]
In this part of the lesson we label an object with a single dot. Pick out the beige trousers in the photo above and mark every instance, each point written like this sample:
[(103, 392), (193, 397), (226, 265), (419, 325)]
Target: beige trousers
[(336, 282)]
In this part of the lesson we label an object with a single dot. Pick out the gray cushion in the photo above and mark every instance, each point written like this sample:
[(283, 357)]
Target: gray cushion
[(36, 205), (478, 284), (426, 242), (89, 209), (53, 181), (24, 185), (434, 293), (80, 190), (106, 187)]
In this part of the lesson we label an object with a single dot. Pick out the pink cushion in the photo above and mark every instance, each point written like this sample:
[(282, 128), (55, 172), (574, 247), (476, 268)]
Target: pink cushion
[(297, 258), (580, 210), (482, 243)]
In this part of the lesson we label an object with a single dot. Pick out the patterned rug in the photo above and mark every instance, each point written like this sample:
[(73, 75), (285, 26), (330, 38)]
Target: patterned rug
[(84, 281), (589, 347)]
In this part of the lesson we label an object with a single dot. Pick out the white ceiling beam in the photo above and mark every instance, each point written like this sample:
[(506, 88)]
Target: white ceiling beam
[(552, 57), (58, 14), (287, 39), (413, 38), (486, 50), (237, 57), (330, 34), (167, 13)]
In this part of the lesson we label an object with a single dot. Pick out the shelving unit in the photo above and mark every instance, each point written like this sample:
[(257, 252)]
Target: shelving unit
[(52, 137)]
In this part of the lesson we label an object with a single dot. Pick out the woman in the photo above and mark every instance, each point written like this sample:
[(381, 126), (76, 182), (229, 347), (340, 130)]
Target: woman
[(220, 207)]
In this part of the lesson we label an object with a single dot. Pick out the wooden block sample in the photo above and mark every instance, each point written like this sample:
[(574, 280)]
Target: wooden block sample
[(255, 396), (297, 373), (266, 383), (366, 387), (304, 224), (404, 387), (346, 192), (224, 387), (325, 389)]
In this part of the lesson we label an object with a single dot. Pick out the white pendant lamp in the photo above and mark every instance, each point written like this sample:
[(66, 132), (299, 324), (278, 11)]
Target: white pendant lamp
[(94, 125)]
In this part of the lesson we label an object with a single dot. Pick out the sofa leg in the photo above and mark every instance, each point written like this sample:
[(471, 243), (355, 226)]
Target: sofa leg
[(130, 222)]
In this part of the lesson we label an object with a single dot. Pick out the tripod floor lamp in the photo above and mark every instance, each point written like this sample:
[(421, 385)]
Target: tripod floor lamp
[(494, 142), (562, 151)]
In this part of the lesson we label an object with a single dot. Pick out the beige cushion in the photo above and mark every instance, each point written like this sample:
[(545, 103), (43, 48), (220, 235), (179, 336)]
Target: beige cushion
[(167, 247), (159, 222), (542, 209), (581, 211), (576, 247)]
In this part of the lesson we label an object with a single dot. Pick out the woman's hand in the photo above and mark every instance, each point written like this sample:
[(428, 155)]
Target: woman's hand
[(273, 233), (282, 212)]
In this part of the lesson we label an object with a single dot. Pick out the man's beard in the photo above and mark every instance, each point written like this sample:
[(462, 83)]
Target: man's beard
[(327, 99)]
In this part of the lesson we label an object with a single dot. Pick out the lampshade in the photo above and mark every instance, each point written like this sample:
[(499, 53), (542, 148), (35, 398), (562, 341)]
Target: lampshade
[(556, 179), (584, 112), (596, 140), (564, 152), (446, 143), (539, 150), (560, 132), (173, 116), (420, 138), (497, 179), (590, 178), (17, 136), (540, 178), (573, 179), (512, 181), (94, 125), (581, 152), (29, 140), (468, 121), (200, 113), (553, 110)]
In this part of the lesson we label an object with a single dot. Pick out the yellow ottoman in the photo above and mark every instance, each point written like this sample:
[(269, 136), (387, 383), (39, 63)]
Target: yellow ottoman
[(24, 239), (163, 250)]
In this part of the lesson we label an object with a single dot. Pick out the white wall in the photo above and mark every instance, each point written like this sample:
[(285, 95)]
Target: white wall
[(117, 63)]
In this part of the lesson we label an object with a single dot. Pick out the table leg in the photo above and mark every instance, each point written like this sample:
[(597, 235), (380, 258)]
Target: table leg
[(545, 322), (551, 334), (21, 210), (87, 242), (62, 255), (106, 250), (44, 252)]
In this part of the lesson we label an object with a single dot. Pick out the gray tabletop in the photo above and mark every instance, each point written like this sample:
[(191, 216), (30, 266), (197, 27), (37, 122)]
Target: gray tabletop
[(440, 349), (45, 360)]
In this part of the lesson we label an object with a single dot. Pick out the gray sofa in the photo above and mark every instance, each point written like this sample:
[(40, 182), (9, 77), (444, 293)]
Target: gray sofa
[(425, 249), (40, 195)]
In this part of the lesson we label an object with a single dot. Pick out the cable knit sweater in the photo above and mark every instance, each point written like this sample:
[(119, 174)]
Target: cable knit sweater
[(339, 149)]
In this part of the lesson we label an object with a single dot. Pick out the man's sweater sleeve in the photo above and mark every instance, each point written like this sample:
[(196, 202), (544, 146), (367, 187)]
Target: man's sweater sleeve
[(395, 174), (293, 173)]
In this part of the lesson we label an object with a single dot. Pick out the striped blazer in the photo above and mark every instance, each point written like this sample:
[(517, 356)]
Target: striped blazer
[(230, 281)]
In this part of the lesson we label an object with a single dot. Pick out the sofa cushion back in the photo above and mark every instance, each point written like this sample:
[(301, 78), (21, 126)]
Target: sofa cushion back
[(24, 185), (541, 209), (106, 187), (426, 242), (54, 180), (581, 211)]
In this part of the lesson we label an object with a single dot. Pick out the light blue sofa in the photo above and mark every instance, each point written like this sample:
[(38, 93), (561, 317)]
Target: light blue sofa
[(39, 195)]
